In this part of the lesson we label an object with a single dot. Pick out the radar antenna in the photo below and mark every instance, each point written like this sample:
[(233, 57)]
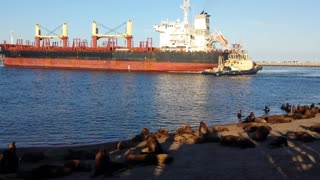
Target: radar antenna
[(185, 7)]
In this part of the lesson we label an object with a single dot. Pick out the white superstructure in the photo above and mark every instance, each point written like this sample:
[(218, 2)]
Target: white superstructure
[(182, 36)]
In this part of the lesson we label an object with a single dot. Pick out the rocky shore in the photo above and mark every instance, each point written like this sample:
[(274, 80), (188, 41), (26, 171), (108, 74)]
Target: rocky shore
[(267, 147)]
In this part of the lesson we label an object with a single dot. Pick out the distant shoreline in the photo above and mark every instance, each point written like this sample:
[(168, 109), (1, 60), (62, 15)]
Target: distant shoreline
[(289, 63)]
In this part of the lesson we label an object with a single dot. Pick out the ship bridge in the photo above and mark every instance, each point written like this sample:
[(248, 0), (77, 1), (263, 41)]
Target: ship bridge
[(183, 36)]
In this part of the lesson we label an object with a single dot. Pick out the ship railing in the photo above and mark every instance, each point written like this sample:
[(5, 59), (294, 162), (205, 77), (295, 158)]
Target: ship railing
[(31, 47)]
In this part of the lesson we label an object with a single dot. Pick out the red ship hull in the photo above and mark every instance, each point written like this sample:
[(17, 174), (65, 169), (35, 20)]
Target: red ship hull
[(117, 65)]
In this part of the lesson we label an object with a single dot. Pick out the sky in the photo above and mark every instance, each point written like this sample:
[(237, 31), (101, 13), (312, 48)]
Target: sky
[(270, 30)]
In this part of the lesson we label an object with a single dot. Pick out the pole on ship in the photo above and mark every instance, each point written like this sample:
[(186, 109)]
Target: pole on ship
[(11, 37)]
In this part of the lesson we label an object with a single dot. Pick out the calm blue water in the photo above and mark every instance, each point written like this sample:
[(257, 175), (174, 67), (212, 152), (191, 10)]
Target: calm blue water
[(42, 107)]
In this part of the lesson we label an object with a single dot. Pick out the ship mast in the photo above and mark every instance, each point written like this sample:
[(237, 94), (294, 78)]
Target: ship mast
[(185, 7)]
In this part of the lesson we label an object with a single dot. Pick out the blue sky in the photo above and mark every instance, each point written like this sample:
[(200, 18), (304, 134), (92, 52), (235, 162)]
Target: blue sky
[(269, 29)]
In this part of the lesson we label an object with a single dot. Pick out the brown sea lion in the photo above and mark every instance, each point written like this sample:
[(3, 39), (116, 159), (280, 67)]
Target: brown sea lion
[(260, 120), (309, 113), (250, 118), (297, 116), (278, 119), (236, 141), (9, 162), (102, 161), (219, 129), (286, 107), (300, 136), (279, 141), (185, 129), (203, 129), (249, 128), (104, 166), (142, 136), (162, 133), (153, 145), (302, 109), (185, 138), (261, 133), (205, 135), (147, 159), (315, 128)]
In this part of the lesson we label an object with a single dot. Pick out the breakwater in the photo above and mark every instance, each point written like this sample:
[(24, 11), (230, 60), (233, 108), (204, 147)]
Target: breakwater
[(289, 63)]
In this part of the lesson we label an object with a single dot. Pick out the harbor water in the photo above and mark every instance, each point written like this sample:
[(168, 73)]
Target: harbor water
[(51, 107)]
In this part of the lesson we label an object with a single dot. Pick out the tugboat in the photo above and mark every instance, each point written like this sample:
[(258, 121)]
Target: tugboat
[(237, 64)]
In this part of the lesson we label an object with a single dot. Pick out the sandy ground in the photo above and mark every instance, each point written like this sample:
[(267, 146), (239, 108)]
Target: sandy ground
[(300, 160)]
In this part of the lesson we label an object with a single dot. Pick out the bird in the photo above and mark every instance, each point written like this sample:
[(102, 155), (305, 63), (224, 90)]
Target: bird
[(239, 115), (266, 109)]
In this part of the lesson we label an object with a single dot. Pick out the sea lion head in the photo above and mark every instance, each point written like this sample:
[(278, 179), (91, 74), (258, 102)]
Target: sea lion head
[(12, 146)]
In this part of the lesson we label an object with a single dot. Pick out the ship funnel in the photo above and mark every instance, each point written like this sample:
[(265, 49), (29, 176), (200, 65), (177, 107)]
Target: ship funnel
[(129, 27), (38, 32), (94, 28)]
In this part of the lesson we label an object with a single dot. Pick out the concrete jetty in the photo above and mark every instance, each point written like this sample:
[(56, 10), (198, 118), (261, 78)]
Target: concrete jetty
[(289, 63)]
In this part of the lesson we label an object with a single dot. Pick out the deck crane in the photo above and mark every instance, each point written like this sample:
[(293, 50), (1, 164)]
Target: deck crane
[(128, 35), (63, 36)]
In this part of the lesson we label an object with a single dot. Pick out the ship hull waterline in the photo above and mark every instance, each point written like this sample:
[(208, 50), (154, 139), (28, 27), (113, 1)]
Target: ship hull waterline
[(252, 71), (115, 65)]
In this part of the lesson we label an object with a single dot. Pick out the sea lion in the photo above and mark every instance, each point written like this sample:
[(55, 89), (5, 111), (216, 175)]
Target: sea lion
[(185, 129), (286, 107), (236, 141), (310, 113), (278, 119), (251, 127), (203, 130), (9, 162), (250, 118), (219, 129), (162, 133), (102, 161), (104, 165), (279, 141), (315, 128), (205, 135), (300, 136), (149, 159), (153, 145), (261, 133), (142, 136)]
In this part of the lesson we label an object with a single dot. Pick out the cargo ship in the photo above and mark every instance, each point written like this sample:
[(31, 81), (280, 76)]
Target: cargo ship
[(184, 47)]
